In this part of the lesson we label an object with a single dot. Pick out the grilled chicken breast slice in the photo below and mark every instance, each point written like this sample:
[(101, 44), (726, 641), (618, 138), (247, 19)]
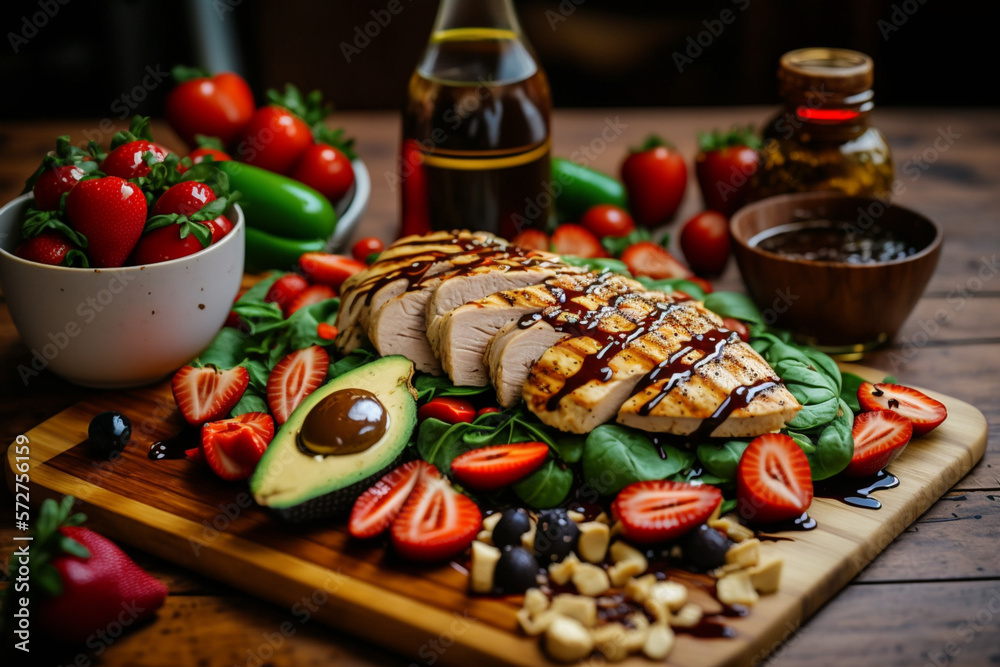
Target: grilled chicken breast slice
[(581, 382), (399, 327), (407, 260)]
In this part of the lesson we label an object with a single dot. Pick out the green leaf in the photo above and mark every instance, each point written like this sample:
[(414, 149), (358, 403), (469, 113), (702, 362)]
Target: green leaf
[(335, 137), (722, 459), (47, 578), (546, 487), (737, 136), (597, 263), (804, 442), (205, 141), (615, 456), (727, 506), (890, 379), (835, 446), (182, 73), (616, 245), (430, 386), (440, 442), (225, 351), (36, 222), (668, 285), (734, 304), (849, 390), (201, 231), (569, 446), (355, 359), (74, 548), (251, 401)]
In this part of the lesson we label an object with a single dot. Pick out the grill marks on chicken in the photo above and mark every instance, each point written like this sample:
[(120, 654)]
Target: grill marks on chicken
[(580, 348)]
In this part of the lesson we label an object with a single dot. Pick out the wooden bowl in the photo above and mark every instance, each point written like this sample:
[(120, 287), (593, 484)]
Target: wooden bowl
[(842, 308)]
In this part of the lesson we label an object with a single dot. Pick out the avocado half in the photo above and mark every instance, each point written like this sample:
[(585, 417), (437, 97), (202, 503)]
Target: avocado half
[(301, 486)]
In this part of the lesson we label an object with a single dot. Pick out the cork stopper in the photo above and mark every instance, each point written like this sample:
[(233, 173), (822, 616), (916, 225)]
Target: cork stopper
[(842, 75)]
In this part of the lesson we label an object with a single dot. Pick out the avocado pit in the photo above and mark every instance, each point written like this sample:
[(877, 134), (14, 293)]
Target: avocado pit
[(345, 422)]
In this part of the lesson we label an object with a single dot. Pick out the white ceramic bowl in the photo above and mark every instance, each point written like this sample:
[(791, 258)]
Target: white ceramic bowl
[(350, 213), (123, 327)]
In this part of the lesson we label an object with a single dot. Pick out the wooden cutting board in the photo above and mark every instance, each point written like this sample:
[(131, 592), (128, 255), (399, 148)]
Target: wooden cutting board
[(173, 509)]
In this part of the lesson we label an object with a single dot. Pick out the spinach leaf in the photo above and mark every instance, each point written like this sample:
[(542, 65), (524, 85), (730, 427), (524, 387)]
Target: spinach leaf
[(722, 460), (597, 264), (615, 456), (546, 487), (804, 442), (669, 285), (226, 349), (814, 390), (440, 442), (616, 245), (258, 373), (354, 359), (835, 445), (890, 379), (734, 304), (429, 386), (849, 390), (251, 401), (727, 506), (824, 364), (569, 447)]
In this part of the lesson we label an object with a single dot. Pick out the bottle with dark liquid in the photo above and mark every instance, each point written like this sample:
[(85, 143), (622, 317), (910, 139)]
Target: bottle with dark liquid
[(475, 151), (822, 139)]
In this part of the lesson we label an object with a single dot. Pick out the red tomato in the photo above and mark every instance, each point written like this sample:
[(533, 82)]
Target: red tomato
[(570, 239), (218, 106), (199, 155), (655, 180), (367, 247), (645, 258), (274, 139), (447, 409), (735, 325), (326, 169), (531, 239), (705, 242), (607, 220)]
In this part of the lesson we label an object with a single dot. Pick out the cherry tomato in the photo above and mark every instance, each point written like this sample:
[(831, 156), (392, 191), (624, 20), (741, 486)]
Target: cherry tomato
[(656, 180), (447, 409), (570, 239), (741, 330), (705, 243), (218, 106), (199, 155), (274, 139), (326, 169), (607, 220), (367, 247), (531, 239)]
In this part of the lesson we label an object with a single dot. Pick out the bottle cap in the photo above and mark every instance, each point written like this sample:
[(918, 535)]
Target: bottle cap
[(842, 75)]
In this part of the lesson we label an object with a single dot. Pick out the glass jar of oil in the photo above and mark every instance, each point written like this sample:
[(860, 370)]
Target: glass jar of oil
[(822, 139), (475, 151)]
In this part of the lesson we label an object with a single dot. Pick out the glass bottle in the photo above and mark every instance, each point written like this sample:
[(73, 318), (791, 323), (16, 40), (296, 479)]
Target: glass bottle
[(822, 139), (476, 145)]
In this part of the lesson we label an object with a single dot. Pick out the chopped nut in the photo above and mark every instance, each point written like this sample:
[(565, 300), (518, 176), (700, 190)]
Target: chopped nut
[(765, 576), (490, 522), (567, 640), (671, 593), (485, 536), (659, 610), (535, 601), (576, 517), (593, 542), (535, 624), (635, 636), (617, 529), (715, 514), (733, 529), (745, 553), (629, 562), (580, 607), (590, 579), (484, 563), (659, 641), (638, 588), (736, 588), (611, 641), (687, 616), (624, 551), (528, 538), (562, 571), (603, 518)]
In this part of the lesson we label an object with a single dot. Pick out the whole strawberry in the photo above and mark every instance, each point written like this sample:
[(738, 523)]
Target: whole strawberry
[(86, 584), (51, 248), (110, 212)]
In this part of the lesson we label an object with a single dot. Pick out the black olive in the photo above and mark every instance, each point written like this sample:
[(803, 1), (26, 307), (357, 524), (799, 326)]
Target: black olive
[(513, 523), (704, 548), (516, 571), (555, 537), (109, 432)]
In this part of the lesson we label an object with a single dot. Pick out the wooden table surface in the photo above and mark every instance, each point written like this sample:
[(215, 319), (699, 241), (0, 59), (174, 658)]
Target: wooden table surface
[(931, 598)]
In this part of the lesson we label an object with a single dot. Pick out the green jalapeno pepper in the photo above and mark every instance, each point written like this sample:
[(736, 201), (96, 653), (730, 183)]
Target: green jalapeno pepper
[(582, 188), (279, 205), (267, 251)]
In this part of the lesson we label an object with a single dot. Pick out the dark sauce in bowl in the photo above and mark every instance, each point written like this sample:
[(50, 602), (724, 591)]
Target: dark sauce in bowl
[(834, 241)]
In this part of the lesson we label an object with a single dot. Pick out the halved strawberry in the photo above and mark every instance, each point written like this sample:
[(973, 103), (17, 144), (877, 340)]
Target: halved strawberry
[(646, 258), (208, 393), (436, 521), (310, 297), (660, 510), (297, 375), (572, 239), (773, 480), (490, 468), (377, 507), (923, 411), (531, 239), (327, 269), (879, 437), (233, 447), (285, 290)]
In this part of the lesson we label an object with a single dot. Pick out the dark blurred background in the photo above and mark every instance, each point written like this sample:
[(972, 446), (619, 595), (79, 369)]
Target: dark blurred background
[(107, 59)]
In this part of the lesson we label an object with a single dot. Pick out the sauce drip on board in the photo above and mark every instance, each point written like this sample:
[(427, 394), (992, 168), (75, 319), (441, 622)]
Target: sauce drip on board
[(345, 422), (856, 492), (174, 447)]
